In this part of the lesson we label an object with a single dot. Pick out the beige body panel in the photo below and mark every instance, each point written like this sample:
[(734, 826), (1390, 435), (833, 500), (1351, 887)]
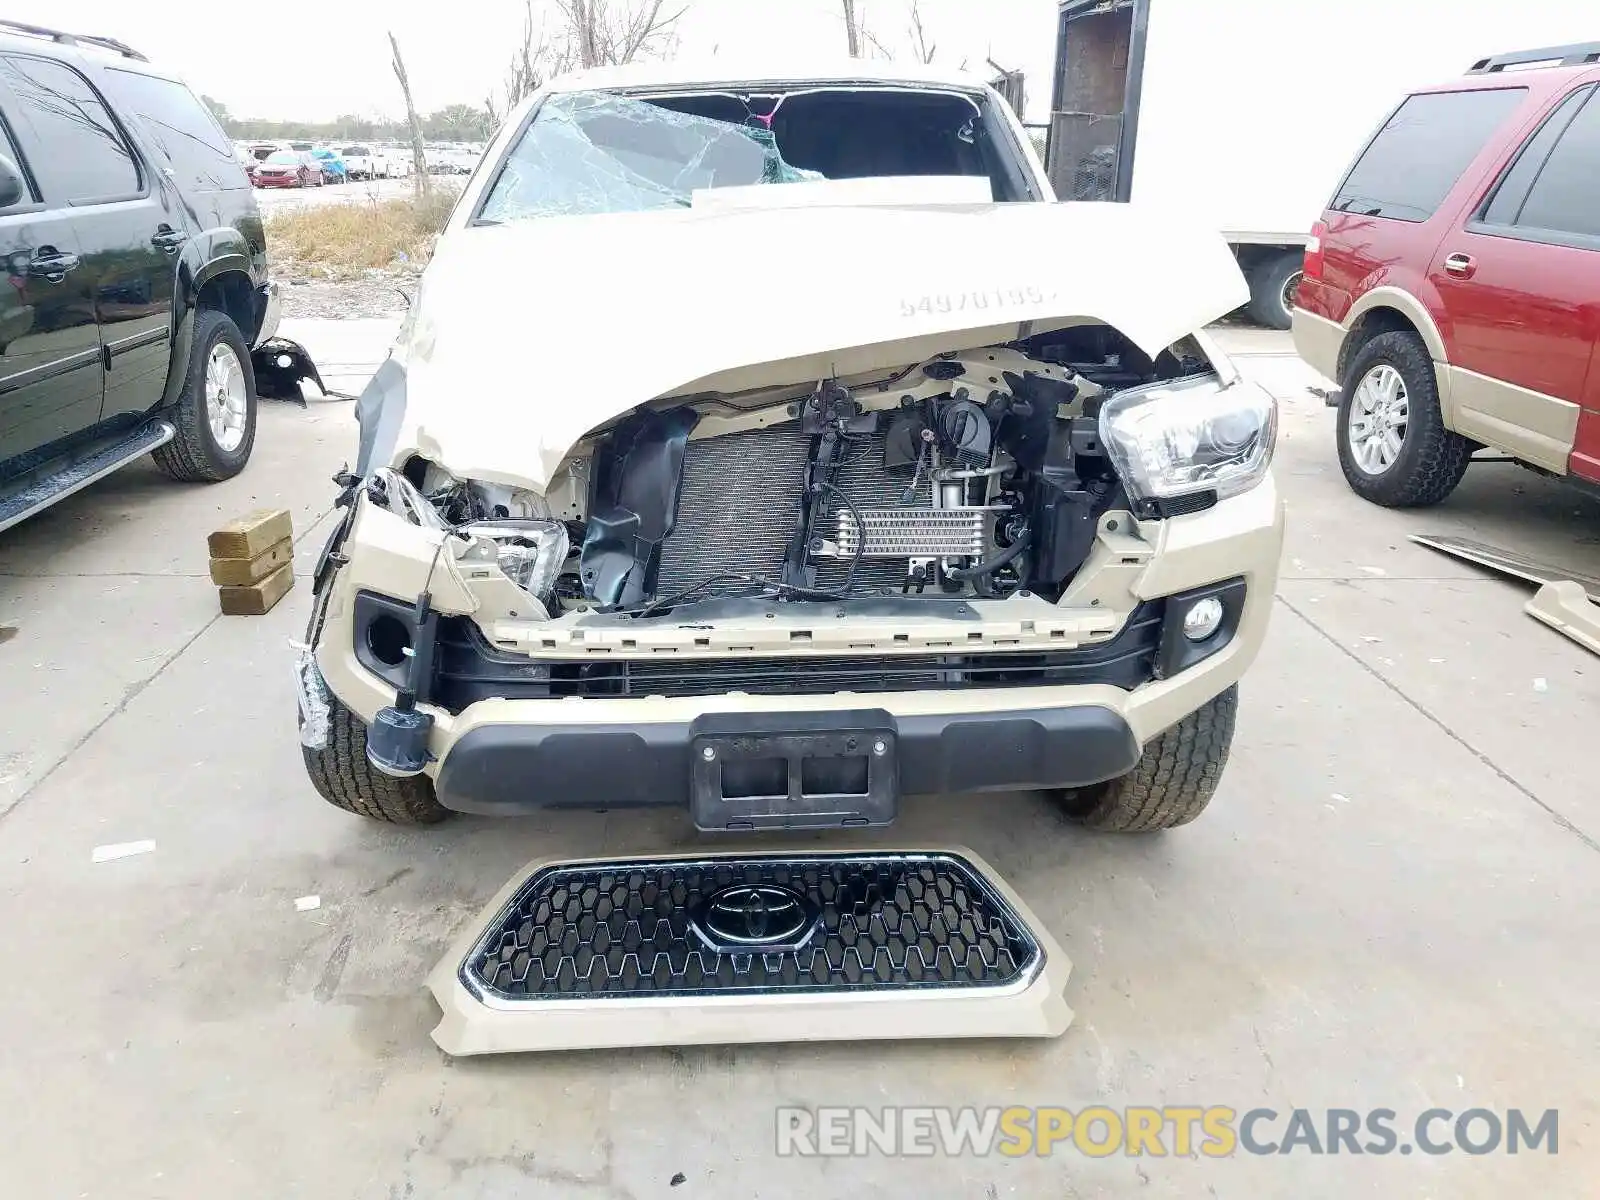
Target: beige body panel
[(1407, 306), (1529, 425), (1035, 1007), (1317, 341), (1241, 536), (1565, 607)]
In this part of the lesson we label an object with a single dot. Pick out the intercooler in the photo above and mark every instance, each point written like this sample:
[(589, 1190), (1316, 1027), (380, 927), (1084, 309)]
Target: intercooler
[(739, 501)]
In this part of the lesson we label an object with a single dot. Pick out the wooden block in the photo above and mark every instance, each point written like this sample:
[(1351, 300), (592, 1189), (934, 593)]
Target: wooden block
[(241, 572), (258, 598), (251, 534)]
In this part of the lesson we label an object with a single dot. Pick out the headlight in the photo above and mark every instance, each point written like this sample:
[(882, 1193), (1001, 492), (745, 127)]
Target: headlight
[(530, 552), (1190, 435)]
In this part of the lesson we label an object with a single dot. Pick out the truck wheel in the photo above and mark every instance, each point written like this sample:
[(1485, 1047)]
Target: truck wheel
[(345, 779), (216, 411), (1273, 284), (1173, 780), (1394, 448)]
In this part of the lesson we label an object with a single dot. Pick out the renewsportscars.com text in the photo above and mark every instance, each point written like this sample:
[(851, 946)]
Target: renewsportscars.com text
[(1215, 1132)]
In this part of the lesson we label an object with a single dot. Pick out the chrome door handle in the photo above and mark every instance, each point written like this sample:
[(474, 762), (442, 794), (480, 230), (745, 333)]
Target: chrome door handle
[(51, 265), (1460, 265)]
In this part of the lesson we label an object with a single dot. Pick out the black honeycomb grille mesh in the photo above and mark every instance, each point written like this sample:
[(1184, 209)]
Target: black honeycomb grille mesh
[(890, 921)]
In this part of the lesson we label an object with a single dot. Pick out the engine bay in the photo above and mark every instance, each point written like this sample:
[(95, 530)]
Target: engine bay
[(976, 474)]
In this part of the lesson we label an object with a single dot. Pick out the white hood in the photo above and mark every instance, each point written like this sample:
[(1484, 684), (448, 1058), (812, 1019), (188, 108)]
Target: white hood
[(527, 335)]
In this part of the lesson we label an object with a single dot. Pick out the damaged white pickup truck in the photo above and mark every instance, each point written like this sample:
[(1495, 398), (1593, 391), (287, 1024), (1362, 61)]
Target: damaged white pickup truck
[(777, 447)]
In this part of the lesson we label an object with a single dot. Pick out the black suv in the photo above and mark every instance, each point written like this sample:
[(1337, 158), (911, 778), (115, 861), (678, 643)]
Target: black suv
[(136, 273)]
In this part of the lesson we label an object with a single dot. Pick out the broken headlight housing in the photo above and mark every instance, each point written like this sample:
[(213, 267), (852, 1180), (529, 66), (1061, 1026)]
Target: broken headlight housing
[(1185, 436), (530, 552)]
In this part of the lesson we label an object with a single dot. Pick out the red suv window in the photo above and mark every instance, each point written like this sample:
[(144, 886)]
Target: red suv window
[(1409, 168), (1547, 194)]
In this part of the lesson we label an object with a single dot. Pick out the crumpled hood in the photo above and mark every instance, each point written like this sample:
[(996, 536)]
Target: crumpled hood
[(527, 335)]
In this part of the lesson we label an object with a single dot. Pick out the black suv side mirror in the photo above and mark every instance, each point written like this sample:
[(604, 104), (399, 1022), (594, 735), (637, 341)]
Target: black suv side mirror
[(12, 188)]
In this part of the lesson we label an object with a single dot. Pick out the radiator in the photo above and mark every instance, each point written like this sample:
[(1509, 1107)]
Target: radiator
[(739, 502)]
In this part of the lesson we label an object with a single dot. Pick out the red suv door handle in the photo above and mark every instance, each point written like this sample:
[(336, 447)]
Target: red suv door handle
[(1460, 265)]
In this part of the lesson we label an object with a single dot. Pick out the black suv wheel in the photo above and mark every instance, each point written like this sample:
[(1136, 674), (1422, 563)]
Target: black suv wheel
[(216, 411)]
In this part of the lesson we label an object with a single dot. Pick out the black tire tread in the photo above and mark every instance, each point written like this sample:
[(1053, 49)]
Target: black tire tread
[(345, 779), (1266, 289), (188, 456), (1432, 459), (1173, 780)]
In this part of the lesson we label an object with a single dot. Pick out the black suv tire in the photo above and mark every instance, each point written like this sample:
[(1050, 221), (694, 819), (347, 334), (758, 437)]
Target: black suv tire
[(1173, 780), (345, 779), (195, 455), (1432, 459)]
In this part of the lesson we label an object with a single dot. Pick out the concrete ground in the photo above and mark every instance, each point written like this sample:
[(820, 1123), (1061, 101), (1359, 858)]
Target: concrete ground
[(1393, 901)]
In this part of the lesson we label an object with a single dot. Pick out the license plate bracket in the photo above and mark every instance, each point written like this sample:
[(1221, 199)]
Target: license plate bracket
[(825, 770)]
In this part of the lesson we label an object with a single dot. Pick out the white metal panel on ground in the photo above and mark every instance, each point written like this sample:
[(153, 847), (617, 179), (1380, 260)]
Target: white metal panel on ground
[(1252, 110)]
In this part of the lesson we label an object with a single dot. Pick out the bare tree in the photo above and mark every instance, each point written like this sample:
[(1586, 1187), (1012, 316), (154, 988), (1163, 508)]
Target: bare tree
[(536, 58), (919, 36), (423, 183), (852, 28), (593, 33), (611, 32)]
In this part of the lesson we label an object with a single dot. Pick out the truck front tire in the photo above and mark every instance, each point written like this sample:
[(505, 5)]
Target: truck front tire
[(1173, 780), (345, 779)]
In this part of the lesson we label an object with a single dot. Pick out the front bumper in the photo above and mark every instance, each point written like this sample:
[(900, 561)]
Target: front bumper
[(499, 755), (504, 769)]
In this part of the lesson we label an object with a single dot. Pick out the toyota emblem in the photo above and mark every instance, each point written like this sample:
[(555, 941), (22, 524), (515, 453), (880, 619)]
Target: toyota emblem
[(750, 917)]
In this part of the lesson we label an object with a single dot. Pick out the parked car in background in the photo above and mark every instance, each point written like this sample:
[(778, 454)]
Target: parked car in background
[(333, 166), (364, 162), (246, 160), (1450, 288), (290, 168), (137, 314)]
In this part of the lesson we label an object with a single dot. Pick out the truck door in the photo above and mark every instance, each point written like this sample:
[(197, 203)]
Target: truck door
[(1519, 286), (51, 373), (130, 237)]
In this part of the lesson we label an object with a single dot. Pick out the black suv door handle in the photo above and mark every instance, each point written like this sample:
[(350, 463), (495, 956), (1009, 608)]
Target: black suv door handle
[(168, 239), (51, 265)]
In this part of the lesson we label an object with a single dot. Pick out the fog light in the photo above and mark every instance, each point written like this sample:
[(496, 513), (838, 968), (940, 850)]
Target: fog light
[(1202, 619)]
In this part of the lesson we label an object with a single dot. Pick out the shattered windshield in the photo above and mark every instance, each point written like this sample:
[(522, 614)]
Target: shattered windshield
[(587, 153)]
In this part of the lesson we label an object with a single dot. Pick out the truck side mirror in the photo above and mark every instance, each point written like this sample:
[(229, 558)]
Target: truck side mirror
[(12, 187)]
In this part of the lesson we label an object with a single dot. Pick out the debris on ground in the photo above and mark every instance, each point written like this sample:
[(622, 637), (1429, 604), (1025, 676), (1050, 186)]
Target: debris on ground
[(1567, 607), (307, 903), (122, 850), (1507, 562), (1541, 684)]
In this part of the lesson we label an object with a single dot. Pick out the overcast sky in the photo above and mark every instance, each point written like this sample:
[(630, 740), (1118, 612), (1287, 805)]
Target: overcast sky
[(316, 59)]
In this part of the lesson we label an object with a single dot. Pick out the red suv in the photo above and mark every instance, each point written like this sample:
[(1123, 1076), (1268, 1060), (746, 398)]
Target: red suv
[(1452, 289)]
